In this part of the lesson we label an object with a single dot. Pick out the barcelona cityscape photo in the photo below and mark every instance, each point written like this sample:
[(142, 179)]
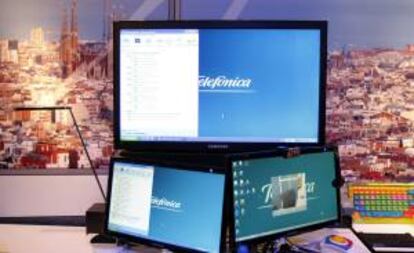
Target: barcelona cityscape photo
[(68, 71), (370, 100)]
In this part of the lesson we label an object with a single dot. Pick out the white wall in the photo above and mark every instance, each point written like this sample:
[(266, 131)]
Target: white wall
[(48, 195)]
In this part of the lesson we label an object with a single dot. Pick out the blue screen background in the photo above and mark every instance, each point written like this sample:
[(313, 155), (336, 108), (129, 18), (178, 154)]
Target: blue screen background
[(284, 69), (197, 223)]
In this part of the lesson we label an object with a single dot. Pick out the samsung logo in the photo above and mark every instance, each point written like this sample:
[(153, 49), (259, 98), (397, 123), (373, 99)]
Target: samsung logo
[(218, 146)]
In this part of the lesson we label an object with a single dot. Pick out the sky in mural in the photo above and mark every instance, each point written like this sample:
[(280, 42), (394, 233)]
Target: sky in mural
[(362, 23), (18, 17)]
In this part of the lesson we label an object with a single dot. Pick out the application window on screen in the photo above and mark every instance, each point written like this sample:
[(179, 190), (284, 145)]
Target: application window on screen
[(128, 181), (159, 80)]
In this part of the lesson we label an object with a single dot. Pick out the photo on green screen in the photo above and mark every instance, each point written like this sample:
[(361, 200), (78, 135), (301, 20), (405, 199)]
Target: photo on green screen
[(288, 194)]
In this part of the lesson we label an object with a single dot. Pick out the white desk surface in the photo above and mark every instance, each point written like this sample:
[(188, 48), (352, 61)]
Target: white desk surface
[(45, 239), (64, 239)]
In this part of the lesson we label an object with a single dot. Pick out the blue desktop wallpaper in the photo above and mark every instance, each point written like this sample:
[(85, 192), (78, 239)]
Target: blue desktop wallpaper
[(257, 216), (284, 93), (194, 220), (197, 223)]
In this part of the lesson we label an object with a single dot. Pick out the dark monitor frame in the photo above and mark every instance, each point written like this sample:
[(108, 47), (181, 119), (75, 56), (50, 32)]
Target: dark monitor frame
[(337, 182), (180, 166), (225, 146)]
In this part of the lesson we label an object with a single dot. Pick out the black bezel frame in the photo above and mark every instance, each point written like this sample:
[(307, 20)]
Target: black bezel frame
[(280, 153), (181, 166), (225, 146)]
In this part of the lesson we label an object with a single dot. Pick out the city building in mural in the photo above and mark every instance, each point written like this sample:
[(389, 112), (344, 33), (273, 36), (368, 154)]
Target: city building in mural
[(66, 71), (370, 112)]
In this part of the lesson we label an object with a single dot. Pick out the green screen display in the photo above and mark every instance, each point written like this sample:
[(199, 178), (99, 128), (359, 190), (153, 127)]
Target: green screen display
[(274, 195)]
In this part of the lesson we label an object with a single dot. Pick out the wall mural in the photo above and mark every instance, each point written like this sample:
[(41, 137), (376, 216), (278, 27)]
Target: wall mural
[(54, 68), (48, 60), (370, 91), (370, 112)]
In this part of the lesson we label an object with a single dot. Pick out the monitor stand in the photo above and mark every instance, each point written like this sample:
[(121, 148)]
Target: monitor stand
[(128, 246), (102, 239)]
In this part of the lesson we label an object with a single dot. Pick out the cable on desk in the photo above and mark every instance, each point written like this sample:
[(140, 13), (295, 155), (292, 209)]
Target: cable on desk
[(300, 247)]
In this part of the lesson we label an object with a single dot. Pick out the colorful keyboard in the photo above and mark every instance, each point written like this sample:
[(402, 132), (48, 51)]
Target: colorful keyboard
[(382, 202)]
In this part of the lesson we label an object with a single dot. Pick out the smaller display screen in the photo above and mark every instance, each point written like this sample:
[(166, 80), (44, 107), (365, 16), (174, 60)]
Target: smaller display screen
[(167, 205), (276, 194)]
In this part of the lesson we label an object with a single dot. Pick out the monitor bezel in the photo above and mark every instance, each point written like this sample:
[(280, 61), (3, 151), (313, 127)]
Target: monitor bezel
[(285, 152), (212, 146), (175, 165)]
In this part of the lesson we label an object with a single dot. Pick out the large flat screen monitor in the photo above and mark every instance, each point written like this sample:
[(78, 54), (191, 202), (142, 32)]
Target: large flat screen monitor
[(219, 85), (275, 195), (173, 206)]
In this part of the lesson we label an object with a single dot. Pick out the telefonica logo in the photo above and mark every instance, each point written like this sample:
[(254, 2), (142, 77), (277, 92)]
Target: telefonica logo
[(165, 203), (267, 191), (224, 82)]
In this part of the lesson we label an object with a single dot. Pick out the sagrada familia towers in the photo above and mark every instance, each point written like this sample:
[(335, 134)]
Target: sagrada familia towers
[(69, 40)]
